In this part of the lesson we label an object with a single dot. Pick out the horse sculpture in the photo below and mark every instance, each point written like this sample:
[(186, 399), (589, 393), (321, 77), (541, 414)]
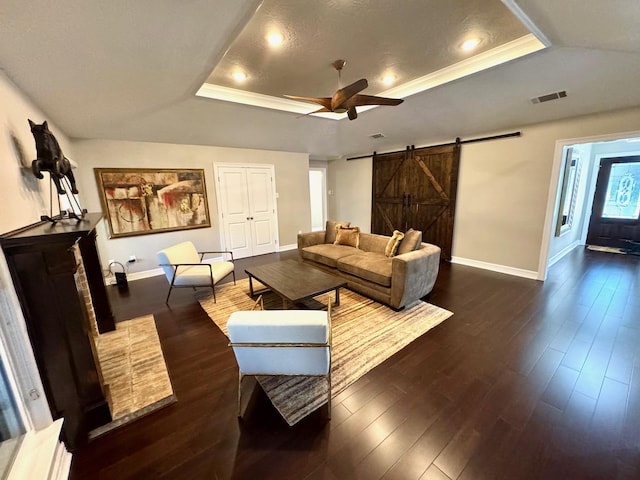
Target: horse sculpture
[(50, 158)]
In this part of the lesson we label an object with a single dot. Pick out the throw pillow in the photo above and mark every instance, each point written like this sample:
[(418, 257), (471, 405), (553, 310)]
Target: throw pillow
[(349, 236), (330, 230), (411, 241), (393, 243)]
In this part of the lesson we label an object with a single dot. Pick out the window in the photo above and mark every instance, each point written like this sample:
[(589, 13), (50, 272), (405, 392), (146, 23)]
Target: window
[(11, 426), (622, 200)]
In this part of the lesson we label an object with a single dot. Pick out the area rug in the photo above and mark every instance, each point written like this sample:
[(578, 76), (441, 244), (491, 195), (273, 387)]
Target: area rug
[(133, 371), (597, 248), (365, 333)]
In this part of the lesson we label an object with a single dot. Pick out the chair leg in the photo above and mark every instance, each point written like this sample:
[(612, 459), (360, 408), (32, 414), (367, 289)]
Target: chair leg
[(240, 376), (234, 276), (168, 295), (329, 396)]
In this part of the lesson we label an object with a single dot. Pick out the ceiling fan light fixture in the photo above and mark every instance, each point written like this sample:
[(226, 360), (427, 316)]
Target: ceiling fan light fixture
[(346, 99)]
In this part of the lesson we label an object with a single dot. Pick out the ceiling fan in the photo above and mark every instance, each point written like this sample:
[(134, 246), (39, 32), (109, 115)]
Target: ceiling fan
[(346, 99)]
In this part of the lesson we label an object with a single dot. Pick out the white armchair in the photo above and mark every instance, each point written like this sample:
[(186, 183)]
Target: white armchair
[(184, 266), (282, 342)]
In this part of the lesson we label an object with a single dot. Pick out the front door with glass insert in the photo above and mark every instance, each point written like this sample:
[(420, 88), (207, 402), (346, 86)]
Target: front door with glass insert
[(615, 218)]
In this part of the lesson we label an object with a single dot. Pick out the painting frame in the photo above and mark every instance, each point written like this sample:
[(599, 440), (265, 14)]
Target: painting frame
[(142, 201)]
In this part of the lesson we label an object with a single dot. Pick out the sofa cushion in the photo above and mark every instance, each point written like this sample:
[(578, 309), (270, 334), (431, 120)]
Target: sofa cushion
[(349, 236), (327, 254), (371, 242), (374, 267), (410, 242), (330, 230), (393, 243)]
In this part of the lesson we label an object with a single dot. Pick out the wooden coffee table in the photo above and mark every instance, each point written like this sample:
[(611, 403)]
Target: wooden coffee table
[(294, 281)]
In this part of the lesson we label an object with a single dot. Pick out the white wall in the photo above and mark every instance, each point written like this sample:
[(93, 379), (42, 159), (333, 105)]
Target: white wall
[(292, 186), (503, 190), (560, 245), (350, 184), (24, 198)]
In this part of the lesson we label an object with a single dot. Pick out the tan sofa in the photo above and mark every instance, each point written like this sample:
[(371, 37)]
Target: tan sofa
[(397, 281)]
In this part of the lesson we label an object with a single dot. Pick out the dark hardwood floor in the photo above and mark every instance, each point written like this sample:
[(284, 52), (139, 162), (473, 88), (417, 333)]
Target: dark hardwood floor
[(526, 380)]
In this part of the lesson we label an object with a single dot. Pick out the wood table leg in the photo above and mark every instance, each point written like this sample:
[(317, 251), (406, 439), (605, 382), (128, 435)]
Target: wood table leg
[(338, 296), (251, 286)]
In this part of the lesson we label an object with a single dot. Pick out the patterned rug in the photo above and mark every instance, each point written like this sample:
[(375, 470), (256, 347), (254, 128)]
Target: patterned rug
[(365, 333)]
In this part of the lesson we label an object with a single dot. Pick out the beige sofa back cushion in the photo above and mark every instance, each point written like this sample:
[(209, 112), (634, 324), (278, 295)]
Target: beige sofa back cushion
[(411, 241), (372, 242)]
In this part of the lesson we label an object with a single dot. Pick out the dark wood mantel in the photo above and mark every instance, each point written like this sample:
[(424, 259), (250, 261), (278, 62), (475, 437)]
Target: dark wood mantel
[(44, 268)]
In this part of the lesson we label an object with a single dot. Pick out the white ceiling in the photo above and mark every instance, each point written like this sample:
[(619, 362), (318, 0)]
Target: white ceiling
[(130, 70)]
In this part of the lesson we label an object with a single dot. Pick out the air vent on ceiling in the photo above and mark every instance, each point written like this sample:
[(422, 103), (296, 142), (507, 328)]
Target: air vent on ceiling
[(376, 135), (548, 97)]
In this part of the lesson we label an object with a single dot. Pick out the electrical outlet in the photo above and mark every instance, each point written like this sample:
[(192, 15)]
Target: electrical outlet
[(132, 258)]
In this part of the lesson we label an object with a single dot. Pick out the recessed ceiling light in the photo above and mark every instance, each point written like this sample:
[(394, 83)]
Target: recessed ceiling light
[(239, 76), (470, 44), (275, 39), (389, 79)]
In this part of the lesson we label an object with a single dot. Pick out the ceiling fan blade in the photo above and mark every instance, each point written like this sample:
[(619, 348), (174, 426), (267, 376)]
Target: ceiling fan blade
[(320, 110), (358, 100), (341, 96), (352, 113), (324, 101)]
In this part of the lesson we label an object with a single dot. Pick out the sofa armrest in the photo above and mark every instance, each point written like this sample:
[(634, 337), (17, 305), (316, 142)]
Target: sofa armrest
[(310, 238), (413, 274)]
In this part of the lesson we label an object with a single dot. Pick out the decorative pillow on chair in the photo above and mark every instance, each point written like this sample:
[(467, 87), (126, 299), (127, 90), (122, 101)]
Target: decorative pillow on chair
[(330, 230), (349, 236), (393, 243), (412, 240)]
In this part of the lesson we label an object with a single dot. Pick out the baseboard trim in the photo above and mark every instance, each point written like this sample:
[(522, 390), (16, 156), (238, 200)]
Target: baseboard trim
[(111, 280), (563, 252), (518, 272)]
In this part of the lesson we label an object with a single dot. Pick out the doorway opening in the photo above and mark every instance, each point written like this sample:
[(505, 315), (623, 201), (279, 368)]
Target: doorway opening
[(575, 202), (318, 197)]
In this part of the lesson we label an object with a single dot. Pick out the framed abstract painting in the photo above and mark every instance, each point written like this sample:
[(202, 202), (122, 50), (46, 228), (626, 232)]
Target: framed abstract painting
[(139, 201)]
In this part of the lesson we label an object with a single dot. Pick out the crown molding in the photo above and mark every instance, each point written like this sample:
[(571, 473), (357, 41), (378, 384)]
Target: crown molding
[(496, 56)]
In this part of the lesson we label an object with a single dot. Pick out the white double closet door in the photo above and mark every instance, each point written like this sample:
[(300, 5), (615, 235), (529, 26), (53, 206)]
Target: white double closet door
[(247, 208)]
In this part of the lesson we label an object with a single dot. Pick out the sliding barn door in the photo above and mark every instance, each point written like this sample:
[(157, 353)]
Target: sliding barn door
[(417, 189), (389, 193)]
